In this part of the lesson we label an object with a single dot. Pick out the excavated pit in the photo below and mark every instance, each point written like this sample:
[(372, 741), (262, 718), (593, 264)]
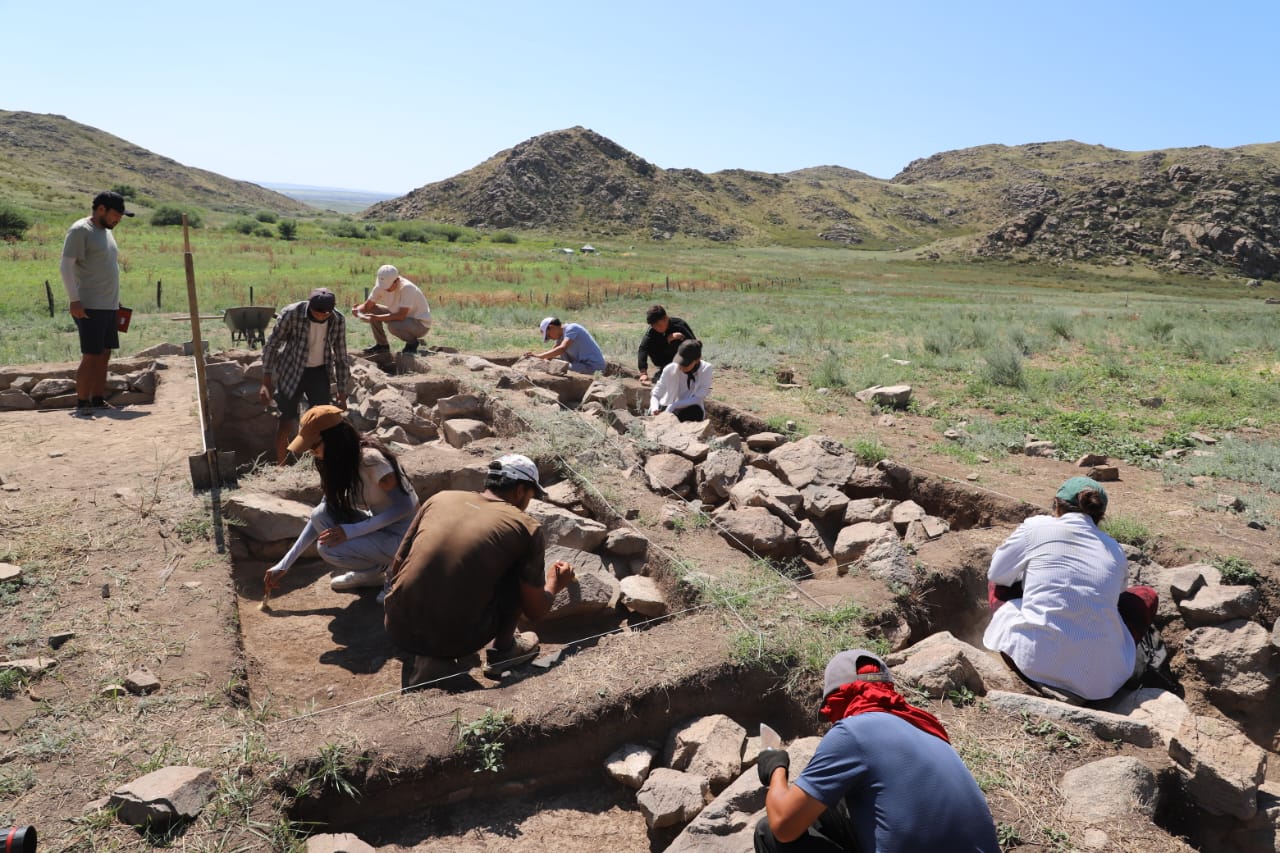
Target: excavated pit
[(619, 679)]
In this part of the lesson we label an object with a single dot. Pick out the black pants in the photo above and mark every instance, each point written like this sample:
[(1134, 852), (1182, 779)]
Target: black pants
[(689, 413), (834, 824)]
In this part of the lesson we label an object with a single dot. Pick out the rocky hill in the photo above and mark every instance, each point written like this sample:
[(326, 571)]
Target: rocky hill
[(51, 163), (1189, 210)]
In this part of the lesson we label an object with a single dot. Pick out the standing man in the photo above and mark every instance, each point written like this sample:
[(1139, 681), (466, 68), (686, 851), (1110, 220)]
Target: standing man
[(469, 566), (91, 277), (396, 305), (660, 342), (306, 351), (575, 346), (884, 777)]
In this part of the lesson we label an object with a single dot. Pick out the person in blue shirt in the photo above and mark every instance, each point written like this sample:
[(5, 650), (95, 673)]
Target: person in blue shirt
[(574, 344), (884, 778)]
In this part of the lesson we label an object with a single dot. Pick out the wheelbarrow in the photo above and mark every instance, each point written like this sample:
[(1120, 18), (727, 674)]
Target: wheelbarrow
[(249, 323)]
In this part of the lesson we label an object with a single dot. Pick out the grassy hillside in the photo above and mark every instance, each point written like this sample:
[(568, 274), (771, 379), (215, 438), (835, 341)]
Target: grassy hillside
[(52, 165)]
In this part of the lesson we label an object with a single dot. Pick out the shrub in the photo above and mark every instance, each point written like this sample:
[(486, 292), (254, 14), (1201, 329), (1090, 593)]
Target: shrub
[(830, 373), (126, 190), (504, 237), (288, 229), (348, 229), (266, 216), (13, 222), (1059, 323), (244, 225), (1004, 366), (1237, 571), (263, 231), (1159, 328), (412, 234), (449, 232), (869, 451), (167, 214)]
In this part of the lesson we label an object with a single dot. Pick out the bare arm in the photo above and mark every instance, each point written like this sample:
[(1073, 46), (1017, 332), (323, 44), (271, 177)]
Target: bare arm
[(535, 602), (790, 810)]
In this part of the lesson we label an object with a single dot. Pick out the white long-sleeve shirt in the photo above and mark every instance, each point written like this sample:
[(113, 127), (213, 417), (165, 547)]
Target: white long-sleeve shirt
[(1065, 630), (674, 390)]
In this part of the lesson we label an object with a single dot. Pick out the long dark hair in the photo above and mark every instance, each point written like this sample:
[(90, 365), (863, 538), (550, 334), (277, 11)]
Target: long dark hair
[(340, 468)]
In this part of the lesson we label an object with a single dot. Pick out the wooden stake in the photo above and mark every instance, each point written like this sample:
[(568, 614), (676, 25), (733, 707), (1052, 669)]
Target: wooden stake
[(202, 385)]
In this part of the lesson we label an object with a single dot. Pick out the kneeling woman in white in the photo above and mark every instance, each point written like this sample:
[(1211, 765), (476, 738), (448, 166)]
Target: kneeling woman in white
[(368, 502), (683, 385)]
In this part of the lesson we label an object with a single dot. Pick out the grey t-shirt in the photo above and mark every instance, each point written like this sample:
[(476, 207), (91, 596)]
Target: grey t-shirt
[(96, 270)]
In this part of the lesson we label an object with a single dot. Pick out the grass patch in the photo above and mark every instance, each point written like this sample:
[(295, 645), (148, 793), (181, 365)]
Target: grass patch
[(1126, 530), (1237, 571), (482, 739)]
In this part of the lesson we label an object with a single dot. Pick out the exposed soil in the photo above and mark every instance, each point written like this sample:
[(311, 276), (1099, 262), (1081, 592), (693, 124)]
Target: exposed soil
[(106, 505)]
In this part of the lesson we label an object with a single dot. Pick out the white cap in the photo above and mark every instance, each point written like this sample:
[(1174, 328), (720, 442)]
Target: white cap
[(516, 467), (546, 321), (387, 274)]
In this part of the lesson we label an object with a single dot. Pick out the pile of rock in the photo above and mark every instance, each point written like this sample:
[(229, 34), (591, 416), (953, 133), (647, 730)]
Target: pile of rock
[(130, 381), (809, 498)]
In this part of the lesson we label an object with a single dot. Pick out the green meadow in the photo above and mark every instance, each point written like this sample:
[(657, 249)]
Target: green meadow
[(1113, 360)]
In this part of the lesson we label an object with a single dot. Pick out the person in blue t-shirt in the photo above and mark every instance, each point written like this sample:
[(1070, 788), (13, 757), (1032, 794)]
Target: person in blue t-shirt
[(884, 778), (574, 345)]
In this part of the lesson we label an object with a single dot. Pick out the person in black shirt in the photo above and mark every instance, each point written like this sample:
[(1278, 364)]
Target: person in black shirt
[(661, 341)]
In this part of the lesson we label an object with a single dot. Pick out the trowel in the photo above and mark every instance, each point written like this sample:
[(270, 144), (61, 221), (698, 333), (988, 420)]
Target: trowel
[(769, 739)]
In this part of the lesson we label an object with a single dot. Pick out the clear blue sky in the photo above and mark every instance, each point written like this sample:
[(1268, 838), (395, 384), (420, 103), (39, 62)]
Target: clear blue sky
[(389, 96)]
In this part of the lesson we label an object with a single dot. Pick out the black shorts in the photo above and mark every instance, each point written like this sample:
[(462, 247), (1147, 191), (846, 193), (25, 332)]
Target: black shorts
[(98, 332), (314, 385)]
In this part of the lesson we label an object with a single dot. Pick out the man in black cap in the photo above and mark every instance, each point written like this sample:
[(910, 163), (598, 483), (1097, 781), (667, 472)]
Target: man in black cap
[(884, 777), (661, 340), (91, 277), (307, 351)]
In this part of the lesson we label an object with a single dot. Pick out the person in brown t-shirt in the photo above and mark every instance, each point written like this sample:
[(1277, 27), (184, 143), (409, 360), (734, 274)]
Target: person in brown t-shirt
[(468, 567)]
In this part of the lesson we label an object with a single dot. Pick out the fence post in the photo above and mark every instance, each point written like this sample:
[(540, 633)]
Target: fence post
[(158, 289), (668, 284), (48, 292), (251, 294)]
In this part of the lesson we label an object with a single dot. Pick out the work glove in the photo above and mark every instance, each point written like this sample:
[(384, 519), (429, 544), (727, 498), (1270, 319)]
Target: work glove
[(770, 760)]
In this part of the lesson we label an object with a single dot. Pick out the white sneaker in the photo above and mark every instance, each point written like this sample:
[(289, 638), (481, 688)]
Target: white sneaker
[(348, 581)]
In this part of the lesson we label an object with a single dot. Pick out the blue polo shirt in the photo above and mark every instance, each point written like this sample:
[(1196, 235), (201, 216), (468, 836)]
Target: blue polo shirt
[(906, 790), (584, 353)]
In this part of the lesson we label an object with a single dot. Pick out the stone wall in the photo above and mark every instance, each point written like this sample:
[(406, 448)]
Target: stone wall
[(130, 381)]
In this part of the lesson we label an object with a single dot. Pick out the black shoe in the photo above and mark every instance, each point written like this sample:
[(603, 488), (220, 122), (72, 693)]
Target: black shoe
[(375, 349), (411, 346), (101, 403), (83, 409)]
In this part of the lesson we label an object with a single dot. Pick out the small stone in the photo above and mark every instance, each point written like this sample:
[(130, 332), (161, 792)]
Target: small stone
[(112, 691), (30, 666), (549, 660), (1230, 502), (141, 682), (58, 638), (972, 477), (1105, 473), (1090, 460), (106, 590), (630, 764), (1202, 438), (9, 572), (11, 487), (55, 454), (192, 584)]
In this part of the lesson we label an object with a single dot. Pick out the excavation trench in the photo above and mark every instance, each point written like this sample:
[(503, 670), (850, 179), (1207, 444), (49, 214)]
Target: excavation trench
[(323, 658)]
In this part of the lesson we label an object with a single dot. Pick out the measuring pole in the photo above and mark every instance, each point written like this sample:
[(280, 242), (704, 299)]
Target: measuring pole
[(202, 386)]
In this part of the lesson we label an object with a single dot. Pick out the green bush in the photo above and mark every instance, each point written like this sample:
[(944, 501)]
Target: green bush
[(504, 237), (266, 216), (126, 190), (413, 234), (1126, 531), (449, 232), (830, 373), (167, 214), (1158, 327), (288, 229), (244, 225), (1059, 323), (263, 231), (13, 222), (1237, 571), (1004, 366), (348, 229)]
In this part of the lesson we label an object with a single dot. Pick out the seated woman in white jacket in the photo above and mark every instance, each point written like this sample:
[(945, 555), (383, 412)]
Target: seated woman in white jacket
[(683, 385)]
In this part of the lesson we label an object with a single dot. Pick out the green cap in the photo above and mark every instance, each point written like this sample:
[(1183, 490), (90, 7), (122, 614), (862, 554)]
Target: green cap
[(1072, 488)]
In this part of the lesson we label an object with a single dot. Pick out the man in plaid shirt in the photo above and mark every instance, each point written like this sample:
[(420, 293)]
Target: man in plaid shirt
[(306, 351)]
